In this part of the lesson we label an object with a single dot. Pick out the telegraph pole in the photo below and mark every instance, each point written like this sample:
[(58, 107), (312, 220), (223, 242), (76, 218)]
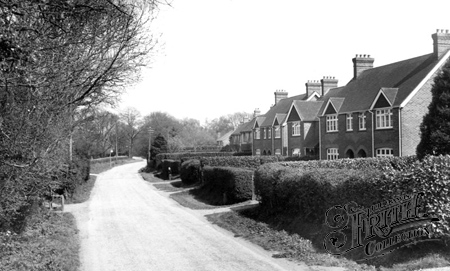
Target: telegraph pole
[(150, 131)]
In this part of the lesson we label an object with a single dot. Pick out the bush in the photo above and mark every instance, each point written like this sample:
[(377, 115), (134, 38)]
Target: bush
[(235, 184), (431, 176), (309, 188), (247, 162), (310, 192), (190, 171), (174, 166)]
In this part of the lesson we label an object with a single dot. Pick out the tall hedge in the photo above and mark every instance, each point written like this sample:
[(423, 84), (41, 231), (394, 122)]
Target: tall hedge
[(308, 189), (174, 167), (247, 162), (236, 184), (190, 171)]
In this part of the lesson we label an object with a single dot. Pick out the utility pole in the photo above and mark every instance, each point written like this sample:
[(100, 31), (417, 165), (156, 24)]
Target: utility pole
[(117, 149), (150, 131)]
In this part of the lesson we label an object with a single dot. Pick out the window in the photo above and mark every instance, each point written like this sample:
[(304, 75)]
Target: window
[(277, 132), (258, 152), (362, 121), (257, 133), (332, 123), (384, 118), (385, 152), (277, 152), (296, 128), (264, 133), (269, 132), (296, 152), (349, 121), (332, 154)]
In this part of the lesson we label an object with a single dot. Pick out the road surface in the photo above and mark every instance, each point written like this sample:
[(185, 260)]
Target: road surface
[(128, 225)]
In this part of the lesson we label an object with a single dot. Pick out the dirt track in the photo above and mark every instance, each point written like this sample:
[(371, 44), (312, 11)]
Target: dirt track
[(128, 225)]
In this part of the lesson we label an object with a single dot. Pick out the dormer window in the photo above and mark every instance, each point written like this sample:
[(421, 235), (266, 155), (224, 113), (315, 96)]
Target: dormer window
[(332, 123), (257, 133), (384, 118), (296, 128), (277, 132)]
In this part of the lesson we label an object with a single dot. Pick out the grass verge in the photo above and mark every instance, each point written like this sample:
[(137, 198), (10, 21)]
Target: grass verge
[(294, 239), (49, 242)]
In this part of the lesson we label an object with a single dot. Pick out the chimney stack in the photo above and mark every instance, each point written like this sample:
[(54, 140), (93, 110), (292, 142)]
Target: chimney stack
[(441, 42), (313, 86), (328, 82), (280, 94), (257, 112), (361, 63)]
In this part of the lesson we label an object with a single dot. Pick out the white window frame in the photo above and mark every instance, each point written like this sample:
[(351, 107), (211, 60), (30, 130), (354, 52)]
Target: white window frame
[(332, 153), (269, 132), (257, 133), (332, 123), (384, 119), (277, 131), (263, 133), (296, 128), (362, 121), (349, 122), (258, 152), (385, 152), (277, 151)]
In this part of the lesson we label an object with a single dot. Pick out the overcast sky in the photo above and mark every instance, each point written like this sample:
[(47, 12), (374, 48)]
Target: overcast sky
[(218, 57)]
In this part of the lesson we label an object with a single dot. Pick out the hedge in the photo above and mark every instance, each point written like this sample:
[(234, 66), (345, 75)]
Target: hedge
[(310, 188), (310, 192), (174, 166), (190, 171), (189, 155), (235, 184), (247, 162)]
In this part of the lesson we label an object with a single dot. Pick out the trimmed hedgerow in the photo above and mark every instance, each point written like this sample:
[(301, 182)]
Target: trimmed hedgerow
[(190, 171), (174, 166), (247, 162), (187, 155), (310, 188), (430, 176), (234, 184), (310, 192), (387, 163)]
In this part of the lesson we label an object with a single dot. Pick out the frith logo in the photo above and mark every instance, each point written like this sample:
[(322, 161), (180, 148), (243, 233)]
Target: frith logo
[(380, 229)]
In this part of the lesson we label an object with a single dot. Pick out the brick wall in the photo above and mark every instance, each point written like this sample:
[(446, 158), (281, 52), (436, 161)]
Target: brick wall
[(412, 117)]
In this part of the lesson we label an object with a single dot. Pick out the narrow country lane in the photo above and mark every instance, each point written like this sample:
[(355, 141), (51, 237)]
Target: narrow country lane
[(128, 225)]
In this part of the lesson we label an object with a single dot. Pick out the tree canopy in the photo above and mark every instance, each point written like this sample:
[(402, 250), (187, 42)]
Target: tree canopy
[(435, 127)]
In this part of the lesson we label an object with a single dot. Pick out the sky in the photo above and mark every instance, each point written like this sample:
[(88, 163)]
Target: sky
[(218, 57)]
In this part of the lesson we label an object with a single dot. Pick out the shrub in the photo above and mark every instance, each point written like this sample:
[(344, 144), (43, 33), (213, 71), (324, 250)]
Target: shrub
[(309, 192), (247, 162), (235, 183), (431, 176), (174, 166), (190, 171)]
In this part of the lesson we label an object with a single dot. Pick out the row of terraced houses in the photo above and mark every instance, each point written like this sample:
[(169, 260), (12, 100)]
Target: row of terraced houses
[(378, 113)]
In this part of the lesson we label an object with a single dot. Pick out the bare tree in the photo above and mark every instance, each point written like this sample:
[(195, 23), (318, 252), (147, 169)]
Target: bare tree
[(131, 118)]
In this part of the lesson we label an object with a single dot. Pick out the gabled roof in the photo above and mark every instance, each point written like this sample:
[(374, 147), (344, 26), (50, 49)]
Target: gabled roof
[(404, 76), (307, 110), (239, 129), (282, 107), (248, 126), (279, 119), (259, 121), (225, 137)]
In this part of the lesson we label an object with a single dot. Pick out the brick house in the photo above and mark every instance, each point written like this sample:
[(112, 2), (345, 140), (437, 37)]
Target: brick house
[(270, 130), (379, 112)]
